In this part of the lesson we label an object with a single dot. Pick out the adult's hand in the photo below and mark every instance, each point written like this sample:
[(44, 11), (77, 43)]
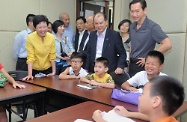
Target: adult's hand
[(51, 74), (119, 70), (141, 62), (29, 77)]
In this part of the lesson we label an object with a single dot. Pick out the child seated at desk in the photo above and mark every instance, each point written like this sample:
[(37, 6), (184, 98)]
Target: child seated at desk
[(100, 77), (161, 97), (154, 62), (3, 117), (76, 70)]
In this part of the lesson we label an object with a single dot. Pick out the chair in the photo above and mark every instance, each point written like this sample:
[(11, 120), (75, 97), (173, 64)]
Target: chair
[(18, 75), (119, 79)]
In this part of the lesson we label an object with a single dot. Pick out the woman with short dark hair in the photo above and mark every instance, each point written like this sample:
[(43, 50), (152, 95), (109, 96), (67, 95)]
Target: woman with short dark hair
[(64, 47), (41, 49)]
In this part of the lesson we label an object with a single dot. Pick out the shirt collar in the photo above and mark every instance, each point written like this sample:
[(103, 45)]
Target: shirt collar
[(81, 33), (28, 31), (102, 34), (144, 24)]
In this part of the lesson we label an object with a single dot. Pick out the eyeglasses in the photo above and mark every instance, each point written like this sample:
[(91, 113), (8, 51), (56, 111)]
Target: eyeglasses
[(76, 62)]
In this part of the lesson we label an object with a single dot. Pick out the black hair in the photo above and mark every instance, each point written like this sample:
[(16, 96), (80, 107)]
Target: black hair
[(77, 55), (29, 18), (156, 54), (81, 18), (102, 14), (124, 21), (56, 24), (142, 2), (170, 90), (49, 23), (103, 60), (39, 18)]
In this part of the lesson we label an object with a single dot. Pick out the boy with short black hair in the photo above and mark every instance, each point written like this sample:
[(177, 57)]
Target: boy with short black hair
[(163, 96), (154, 62), (100, 77), (76, 70)]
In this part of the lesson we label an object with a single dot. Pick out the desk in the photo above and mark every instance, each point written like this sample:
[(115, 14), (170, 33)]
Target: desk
[(81, 111), (8, 94), (70, 88)]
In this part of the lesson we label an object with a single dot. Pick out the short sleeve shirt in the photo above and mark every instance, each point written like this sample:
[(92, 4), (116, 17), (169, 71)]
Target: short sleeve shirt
[(145, 38), (105, 79), (140, 79), (82, 72), (167, 119), (1, 66)]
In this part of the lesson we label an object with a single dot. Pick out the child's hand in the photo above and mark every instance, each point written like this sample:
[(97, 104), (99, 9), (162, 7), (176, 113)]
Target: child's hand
[(15, 85), (77, 77), (121, 111), (97, 115), (93, 82)]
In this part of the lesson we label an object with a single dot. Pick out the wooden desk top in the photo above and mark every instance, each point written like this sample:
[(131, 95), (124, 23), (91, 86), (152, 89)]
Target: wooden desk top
[(70, 114), (8, 92), (101, 95)]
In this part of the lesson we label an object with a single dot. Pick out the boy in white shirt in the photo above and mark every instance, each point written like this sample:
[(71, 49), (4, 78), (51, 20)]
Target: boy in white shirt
[(154, 62), (76, 70)]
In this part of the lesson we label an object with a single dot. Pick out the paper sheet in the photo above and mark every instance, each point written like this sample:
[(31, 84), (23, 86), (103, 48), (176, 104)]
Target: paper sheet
[(81, 120), (112, 116), (86, 86)]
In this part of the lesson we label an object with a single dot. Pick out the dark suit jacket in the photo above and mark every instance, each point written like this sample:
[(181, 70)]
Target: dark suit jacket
[(84, 37), (113, 50)]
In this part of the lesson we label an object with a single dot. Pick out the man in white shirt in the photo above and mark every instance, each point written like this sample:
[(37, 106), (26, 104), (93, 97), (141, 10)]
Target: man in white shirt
[(104, 42), (19, 50)]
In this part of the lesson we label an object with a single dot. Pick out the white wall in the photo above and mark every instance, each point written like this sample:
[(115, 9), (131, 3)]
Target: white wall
[(13, 14)]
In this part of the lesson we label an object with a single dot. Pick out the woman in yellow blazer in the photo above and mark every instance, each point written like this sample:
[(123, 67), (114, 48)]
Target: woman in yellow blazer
[(41, 49)]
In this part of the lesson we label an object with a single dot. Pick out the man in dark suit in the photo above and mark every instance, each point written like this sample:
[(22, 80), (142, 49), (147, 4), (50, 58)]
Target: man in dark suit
[(81, 37), (106, 43)]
